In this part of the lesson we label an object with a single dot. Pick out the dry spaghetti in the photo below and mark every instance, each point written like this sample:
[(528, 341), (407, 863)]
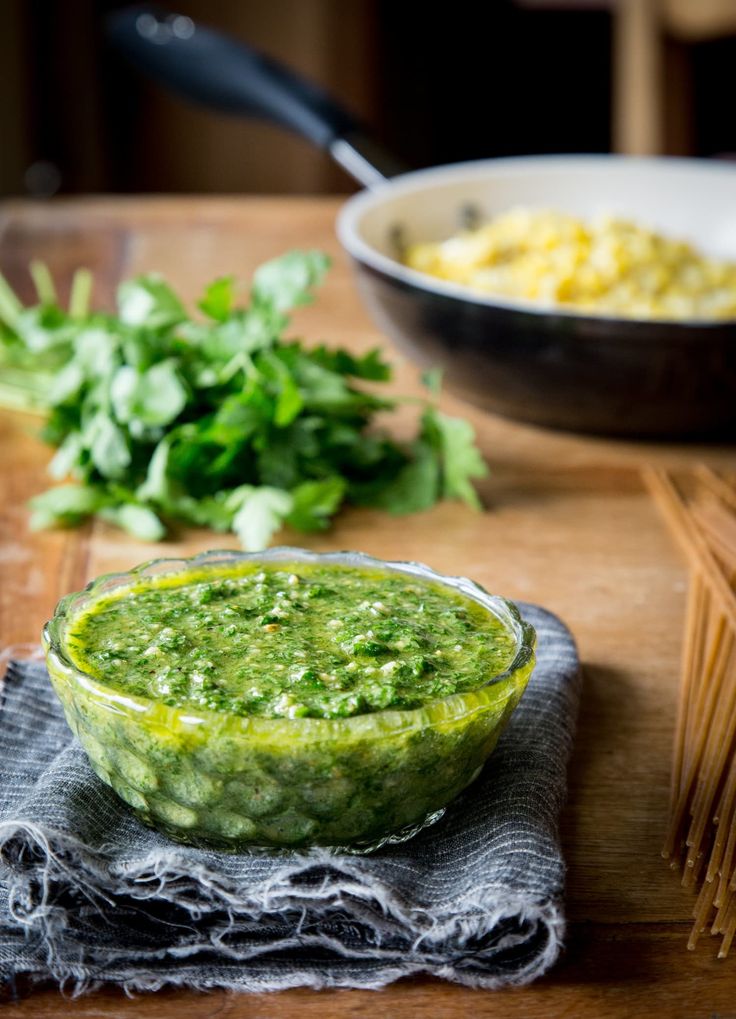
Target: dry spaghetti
[(701, 838)]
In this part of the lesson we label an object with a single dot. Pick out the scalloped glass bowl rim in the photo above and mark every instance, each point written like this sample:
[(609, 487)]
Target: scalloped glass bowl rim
[(452, 708)]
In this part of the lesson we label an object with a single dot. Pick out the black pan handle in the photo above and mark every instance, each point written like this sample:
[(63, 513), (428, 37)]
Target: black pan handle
[(222, 73)]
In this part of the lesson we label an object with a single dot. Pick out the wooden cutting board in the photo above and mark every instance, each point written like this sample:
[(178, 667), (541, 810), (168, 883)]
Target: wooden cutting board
[(568, 524)]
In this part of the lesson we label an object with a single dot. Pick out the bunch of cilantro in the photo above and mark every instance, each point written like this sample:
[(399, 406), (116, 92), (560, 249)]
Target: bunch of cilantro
[(220, 421)]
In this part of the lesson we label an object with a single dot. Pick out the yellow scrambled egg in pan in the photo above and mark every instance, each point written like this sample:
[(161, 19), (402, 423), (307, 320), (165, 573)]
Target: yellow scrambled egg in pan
[(608, 266)]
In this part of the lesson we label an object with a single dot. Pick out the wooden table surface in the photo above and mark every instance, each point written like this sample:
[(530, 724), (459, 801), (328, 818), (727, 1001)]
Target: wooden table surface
[(568, 524)]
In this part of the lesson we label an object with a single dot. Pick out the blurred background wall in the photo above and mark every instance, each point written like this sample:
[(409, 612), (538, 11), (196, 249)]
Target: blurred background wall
[(436, 83)]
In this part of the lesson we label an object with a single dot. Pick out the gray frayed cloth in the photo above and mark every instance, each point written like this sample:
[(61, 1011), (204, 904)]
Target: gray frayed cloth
[(88, 894)]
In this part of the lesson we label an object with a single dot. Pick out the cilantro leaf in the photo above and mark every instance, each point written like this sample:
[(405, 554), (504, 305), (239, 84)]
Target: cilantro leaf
[(289, 401), (432, 379), (290, 280), (107, 445), (370, 366), (414, 488), (140, 521), (454, 442), (153, 397), (218, 298), (149, 301), (262, 511), (157, 487), (67, 457), (314, 502), (65, 506)]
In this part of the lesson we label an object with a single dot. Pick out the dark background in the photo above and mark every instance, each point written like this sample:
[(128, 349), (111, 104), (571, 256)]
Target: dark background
[(435, 83)]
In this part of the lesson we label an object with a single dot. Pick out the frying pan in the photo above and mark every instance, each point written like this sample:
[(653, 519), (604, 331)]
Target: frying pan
[(553, 367)]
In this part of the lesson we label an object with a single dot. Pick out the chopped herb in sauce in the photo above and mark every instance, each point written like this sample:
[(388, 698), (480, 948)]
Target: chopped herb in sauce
[(290, 641)]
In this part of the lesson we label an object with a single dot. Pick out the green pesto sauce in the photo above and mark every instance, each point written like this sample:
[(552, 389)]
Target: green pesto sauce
[(290, 640)]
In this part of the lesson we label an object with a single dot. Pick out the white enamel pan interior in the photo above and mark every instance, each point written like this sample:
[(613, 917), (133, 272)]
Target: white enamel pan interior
[(689, 199)]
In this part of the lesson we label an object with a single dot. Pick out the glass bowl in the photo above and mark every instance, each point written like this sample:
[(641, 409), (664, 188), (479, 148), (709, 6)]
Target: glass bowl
[(243, 783)]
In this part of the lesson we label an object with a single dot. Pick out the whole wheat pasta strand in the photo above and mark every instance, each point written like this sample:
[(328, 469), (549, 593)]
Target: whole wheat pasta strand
[(718, 526), (729, 930), (725, 871), (691, 654), (724, 916), (720, 488), (691, 540), (728, 869), (724, 554), (703, 909), (692, 692), (724, 821), (706, 695), (720, 917), (694, 867), (718, 745), (707, 698)]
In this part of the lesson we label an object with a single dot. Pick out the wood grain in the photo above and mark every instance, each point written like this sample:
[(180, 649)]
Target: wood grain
[(568, 525)]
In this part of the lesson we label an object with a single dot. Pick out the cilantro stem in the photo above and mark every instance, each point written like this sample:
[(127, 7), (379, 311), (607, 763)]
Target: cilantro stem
[(81, 292), (43, 282), (10, 306), (21, 389)]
